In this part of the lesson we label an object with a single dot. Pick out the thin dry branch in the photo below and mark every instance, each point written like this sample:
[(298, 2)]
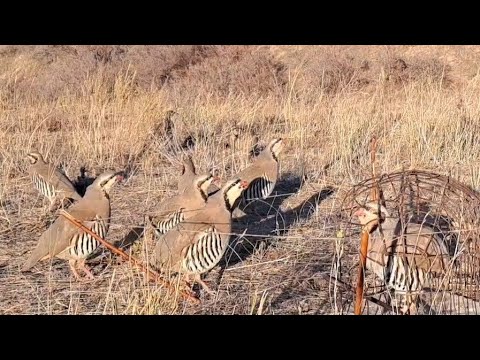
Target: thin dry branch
[(151, 275)]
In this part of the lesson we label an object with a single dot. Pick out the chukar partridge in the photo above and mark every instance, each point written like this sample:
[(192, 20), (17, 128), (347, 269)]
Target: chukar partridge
[(405, 260), (177, 209), (187, 175), (49, 180), (66, 241), (262, 174), (196, 246)]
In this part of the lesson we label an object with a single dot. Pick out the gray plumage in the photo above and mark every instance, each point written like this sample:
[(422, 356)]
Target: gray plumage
[(49, 180), (263, 173), (173, 210), (196, 246), (406, 260), (66, 241)]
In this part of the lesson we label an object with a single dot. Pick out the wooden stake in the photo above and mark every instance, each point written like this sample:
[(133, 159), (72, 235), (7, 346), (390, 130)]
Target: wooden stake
[(151, 275), (363, 263), (365, 236)]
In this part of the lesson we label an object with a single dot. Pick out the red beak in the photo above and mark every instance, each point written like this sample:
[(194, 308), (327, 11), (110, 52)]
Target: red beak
[(244, 184)]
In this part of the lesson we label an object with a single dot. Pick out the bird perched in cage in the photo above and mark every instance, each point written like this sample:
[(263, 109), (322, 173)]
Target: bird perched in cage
[(406, 260)]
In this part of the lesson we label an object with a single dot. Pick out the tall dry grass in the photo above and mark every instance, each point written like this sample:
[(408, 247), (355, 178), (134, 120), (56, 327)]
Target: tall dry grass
[(104, 107)]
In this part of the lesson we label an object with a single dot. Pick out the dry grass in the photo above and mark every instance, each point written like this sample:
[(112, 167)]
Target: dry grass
[(105, 107)]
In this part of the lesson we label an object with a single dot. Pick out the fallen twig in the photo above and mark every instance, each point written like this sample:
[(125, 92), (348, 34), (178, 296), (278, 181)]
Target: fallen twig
[(151, 275)]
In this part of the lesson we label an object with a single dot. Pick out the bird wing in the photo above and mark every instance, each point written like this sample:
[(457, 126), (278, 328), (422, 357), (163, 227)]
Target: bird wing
[(185, 204), (59, 180), (251, 172), (62, 182), (57, 237), (425, 249), (171, 246)]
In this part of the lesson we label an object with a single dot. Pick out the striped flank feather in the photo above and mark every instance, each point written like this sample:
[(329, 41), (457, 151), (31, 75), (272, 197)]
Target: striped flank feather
[(83, 244), (43, 186), (259, 188), (204, 253), (163, 226)]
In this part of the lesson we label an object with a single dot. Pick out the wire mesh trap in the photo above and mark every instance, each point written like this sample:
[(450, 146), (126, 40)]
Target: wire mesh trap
[(438, 204)]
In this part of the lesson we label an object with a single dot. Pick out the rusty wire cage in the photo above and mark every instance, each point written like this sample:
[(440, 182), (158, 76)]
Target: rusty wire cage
[(444, 204)]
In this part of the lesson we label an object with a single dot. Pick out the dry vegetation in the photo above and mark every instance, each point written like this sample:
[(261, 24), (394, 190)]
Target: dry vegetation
[(140, 107)]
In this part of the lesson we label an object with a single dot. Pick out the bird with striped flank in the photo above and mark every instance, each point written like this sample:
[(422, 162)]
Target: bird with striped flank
[(406, 260), (196, 246), (262, 174), (49, 180), (66, 241), (182, 206)]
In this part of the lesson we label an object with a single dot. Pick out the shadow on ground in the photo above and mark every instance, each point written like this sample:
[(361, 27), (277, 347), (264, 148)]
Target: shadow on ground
[(265, 222)]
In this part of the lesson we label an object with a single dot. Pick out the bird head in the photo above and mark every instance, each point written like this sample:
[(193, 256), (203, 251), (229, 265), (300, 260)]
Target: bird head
[(35, 157), (106, 180), (370, 214)]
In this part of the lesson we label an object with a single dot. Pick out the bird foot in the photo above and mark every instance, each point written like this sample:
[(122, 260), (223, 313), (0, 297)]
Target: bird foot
[(75, 273), (198, 280), (205, 287), (87, 272), (85, 269), (54, 206)]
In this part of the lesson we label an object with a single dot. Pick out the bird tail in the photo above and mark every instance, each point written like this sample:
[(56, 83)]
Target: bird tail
[(35, 256), (29, 263)]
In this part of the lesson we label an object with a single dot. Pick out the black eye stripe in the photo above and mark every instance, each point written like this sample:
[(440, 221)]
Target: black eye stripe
[(275, 143), (103, 183), (233, 184), (203, 181)]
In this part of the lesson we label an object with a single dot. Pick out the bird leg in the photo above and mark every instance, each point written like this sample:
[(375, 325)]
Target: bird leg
[(407, 304), (187, 280), (198, 279), (53, 204), (86, 270), (72, 263), (188, 283), (411, 306), (412, 309)]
